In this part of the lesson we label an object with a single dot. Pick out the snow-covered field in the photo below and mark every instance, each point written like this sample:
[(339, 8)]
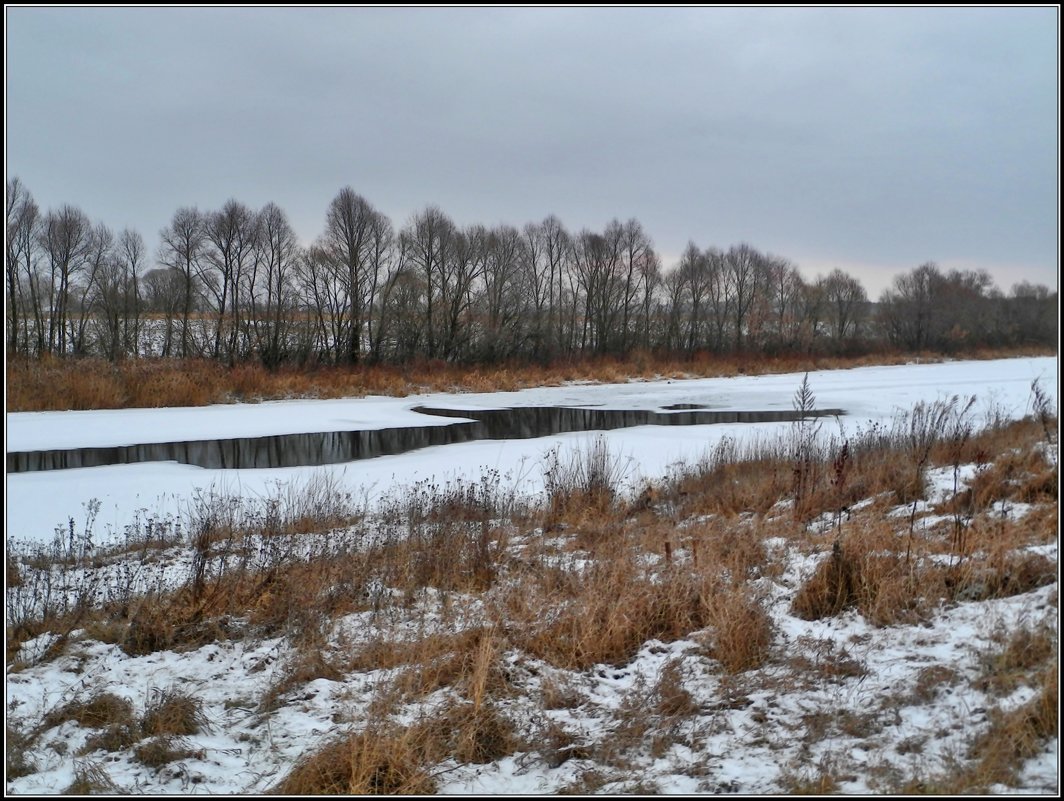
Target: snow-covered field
[(840, 705), (38, 502)]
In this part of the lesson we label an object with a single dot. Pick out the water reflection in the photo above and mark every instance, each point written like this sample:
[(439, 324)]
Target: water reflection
[(295, 450)]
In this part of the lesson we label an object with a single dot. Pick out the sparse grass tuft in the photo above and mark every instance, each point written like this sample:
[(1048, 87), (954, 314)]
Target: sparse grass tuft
[(17, 762), (1019, 734), (1025, 651), (90, 778), (582, 483), (310, 663)]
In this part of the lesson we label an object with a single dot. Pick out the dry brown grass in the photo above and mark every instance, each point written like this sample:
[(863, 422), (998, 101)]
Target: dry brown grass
[(17, 762), (468, 661), (830, 589), (163, 750), (103, 709), (164, 621), (560, 694), (617, 576), (821, 779), (57, 384), (671, 699), (931, 679), (728, 488), (310, 662), (1019, 734), (1015, 475), (558, 745), (470, 733), (172, 712), (742, 628), (116, 737), (997, 755), (376, 762), (91, 778), (1025, 652), (602, 612), (862, 572), (581, 487)]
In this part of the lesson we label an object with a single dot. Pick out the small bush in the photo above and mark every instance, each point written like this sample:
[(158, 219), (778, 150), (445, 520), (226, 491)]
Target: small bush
[(582, 483), (742, 629), (830, 589), (116, 737), (159, 751), (372, 763), (172, 712), (671, 699), (470, 733), (105, 709)]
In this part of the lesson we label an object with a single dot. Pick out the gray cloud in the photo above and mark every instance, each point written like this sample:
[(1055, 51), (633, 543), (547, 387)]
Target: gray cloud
[(857, 137)]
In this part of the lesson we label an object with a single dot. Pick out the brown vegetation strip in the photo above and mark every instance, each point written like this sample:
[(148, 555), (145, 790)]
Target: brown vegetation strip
[(77, 384)]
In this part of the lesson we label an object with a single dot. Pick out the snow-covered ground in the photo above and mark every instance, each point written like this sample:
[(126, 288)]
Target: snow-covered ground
[(867, 705), (747, 746), (38, 502)]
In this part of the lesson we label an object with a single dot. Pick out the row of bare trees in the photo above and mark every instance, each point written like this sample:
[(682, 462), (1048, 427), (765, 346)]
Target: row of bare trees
[(235, 284)]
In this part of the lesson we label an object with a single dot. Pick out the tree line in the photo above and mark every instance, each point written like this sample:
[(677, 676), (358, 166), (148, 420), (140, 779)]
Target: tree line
[(235, 284)]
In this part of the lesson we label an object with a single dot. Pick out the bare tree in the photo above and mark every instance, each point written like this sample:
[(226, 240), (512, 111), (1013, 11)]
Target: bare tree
[(383, 265), (597, 266), (98, 253), (231, 234), (429, 242), (1031, 314), (540, 285), (388, 273), (638, 264), (329, 301), (505, 253), (183, 249), (551, 251), (781, 304), (164, 292), (66, 238), (744, 276), (846, 303), (909, 312), (23, 219), (965, 309), (352, 242), (692, 281), (270, 292), (116, 299), (674, 287)]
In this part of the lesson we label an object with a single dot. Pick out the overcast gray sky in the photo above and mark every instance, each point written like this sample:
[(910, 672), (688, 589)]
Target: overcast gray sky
[(871, 139)]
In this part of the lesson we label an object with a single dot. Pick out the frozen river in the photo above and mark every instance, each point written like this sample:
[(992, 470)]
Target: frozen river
[(39, 501)]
